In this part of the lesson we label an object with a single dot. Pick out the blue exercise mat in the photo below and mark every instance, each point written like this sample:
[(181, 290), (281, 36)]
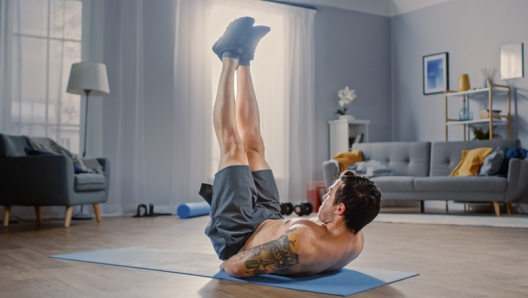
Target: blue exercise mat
[(343, 282)]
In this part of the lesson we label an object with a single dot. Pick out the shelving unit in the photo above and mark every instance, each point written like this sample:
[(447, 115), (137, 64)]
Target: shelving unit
[(504, 119), (342, 129)]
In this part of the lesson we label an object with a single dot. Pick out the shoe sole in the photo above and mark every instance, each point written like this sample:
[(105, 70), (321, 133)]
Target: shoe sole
[(234, 28)]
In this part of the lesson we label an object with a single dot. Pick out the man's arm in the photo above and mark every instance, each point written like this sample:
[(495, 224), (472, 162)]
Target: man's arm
[(266, 258)]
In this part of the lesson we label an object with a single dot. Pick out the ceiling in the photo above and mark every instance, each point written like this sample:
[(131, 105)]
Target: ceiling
[(379, 7)]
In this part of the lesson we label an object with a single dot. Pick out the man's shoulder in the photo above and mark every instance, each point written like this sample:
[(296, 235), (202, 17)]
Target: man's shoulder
[(306, 229), (311, 237)]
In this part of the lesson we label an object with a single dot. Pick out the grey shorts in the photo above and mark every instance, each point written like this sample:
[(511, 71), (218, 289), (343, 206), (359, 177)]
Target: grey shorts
[(241, 201)]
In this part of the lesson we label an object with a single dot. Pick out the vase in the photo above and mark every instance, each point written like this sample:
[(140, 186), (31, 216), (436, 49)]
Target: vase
[(463, 82), (348, 117), (463, 115)]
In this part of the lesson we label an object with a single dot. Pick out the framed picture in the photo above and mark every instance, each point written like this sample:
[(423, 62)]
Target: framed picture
[(512, 61), (435, 73)]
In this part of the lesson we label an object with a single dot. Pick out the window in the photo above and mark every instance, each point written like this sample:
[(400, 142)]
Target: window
[(46, 41)]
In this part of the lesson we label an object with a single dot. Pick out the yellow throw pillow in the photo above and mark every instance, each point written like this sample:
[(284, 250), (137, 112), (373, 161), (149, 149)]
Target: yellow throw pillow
[(470, 162), (348, 158)]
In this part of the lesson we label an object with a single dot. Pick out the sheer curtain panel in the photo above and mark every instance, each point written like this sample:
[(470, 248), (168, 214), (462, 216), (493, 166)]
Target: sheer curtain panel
[(124, 107)]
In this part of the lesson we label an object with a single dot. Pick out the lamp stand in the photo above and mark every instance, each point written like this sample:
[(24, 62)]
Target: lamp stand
[(81, 215), (87, 91)]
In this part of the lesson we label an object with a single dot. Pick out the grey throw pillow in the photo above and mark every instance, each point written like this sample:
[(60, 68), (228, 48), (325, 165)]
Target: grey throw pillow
[(492, 163)]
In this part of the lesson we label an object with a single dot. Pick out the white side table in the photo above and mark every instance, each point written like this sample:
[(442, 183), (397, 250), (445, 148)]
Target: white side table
[(342, 129)]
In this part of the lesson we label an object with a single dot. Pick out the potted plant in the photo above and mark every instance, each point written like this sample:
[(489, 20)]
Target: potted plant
[(479, 133), (346, 97)]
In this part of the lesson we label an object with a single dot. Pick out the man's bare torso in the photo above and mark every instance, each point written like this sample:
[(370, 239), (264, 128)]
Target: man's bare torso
[(319, 249)]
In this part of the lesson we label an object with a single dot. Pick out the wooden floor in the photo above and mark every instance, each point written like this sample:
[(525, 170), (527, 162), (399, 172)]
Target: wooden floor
[(453, 261)]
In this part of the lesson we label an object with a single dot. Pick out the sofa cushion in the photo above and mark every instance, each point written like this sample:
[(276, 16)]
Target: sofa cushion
[(404, 158), (33, 152), (348, 158), (371, 168), (471, 161), (492, 163), (12, 146), (445, 156), (460, 184), (394, 183), (89, 182)]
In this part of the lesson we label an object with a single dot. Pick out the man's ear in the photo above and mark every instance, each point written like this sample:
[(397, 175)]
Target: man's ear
[(341, 209)]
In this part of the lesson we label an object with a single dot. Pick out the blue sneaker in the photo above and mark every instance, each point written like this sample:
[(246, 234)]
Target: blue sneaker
[(232, 42), (248, 52)]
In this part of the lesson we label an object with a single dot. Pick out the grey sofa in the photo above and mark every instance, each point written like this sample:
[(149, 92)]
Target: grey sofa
[(422, 173), (46, 180)]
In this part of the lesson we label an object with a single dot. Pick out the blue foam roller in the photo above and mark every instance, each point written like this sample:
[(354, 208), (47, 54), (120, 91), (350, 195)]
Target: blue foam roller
[(193, 209)]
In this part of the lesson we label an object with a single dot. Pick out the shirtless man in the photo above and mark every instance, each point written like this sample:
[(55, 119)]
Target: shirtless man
[(246, 228)]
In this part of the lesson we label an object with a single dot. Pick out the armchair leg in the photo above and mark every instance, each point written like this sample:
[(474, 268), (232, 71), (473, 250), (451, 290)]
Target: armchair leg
[(7, 213), (67, 218), (37, 213), (497, 208), (508, 208), (97, 212)]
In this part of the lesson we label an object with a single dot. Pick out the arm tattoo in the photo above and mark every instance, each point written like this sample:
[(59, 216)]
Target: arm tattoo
[(272, 256)]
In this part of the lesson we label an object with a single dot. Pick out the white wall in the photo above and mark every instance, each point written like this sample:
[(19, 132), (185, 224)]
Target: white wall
[(351, 49)]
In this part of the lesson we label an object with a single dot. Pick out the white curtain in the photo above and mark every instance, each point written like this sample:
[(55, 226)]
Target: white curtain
[(6, 37), (300, 82), (192, 122), (283, 78), (124, 108)]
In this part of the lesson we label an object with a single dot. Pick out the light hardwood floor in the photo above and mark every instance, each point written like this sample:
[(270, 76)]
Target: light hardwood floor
[(453, 261)]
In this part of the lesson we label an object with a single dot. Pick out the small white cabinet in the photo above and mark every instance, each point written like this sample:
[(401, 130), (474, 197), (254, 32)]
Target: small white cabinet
[(343, 129)]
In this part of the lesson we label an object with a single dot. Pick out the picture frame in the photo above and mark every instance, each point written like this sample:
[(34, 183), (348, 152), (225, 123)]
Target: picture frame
[(435, 73), (512, 61)]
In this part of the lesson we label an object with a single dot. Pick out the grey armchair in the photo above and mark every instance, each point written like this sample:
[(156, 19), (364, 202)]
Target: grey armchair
[(47, 181)]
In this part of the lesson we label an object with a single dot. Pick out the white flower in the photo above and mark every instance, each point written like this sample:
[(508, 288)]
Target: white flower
[(347, 96)]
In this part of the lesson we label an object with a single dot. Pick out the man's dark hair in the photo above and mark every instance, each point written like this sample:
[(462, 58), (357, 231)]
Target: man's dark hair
[(361, 197)]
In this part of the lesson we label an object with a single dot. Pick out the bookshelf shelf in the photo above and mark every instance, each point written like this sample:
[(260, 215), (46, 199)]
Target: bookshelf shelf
[(343, 130), (499, 91)]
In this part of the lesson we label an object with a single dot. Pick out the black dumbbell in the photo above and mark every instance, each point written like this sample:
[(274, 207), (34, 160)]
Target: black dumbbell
[(303, 208), (286, 208), (141, 206)]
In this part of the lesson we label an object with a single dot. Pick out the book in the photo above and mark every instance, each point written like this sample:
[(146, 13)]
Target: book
[(359, 138), (351, 141)]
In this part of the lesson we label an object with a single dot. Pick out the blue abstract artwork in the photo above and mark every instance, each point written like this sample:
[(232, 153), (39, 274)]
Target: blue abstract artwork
[(435, 73)]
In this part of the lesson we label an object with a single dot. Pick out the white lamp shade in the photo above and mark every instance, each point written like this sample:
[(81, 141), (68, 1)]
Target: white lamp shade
[(88, 76)]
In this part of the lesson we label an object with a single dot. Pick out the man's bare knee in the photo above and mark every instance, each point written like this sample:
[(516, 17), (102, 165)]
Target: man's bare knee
[(254, 148), (253, 142), (231, 145)]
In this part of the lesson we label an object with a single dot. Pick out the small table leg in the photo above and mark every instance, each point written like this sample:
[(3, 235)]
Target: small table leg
[(422, 208)]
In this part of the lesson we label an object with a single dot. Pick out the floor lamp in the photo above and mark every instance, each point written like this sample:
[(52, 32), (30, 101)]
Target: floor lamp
[(87, 78)]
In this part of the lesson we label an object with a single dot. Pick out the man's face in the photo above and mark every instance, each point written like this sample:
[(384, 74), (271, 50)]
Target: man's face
[(326, 211)]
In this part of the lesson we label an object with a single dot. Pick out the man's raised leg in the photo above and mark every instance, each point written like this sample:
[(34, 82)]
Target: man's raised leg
[(248, 120), (224, 118)]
